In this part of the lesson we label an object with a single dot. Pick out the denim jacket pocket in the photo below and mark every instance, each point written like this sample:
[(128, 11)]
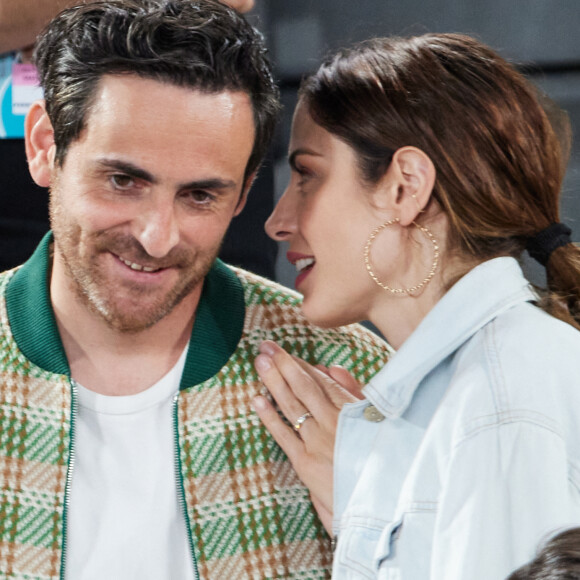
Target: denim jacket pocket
[(385, 548), (364, 548)]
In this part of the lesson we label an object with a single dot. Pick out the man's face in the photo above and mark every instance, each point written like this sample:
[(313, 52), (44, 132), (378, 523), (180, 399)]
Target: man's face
[(145, 195)]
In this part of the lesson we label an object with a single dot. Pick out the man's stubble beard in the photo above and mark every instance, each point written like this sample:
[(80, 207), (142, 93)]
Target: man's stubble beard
[(97, 295)]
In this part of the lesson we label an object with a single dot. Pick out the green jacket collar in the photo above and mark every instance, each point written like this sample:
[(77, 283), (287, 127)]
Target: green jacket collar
[(218, 326)]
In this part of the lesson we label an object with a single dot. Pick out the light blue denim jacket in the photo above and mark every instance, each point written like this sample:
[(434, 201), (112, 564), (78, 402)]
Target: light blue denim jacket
[(478, 456)]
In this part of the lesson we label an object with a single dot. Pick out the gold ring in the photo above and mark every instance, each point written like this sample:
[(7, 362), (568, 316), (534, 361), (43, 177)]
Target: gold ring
[(301, 420)]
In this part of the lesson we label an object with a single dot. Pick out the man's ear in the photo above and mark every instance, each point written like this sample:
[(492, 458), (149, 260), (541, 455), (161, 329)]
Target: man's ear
[(39, 141), (407, 185), (244, 197)]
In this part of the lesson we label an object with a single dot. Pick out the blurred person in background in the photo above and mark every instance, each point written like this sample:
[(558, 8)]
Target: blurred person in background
[(557, 559)]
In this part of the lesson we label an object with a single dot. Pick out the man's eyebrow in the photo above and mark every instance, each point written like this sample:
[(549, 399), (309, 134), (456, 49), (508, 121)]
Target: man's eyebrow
[(214, 184), (301, 151), (127, 168)]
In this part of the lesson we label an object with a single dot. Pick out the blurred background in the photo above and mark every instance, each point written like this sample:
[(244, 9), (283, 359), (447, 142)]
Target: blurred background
[(540, 36)]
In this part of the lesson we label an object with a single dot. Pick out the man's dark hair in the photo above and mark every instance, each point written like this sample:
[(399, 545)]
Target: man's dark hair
[(201, 44)]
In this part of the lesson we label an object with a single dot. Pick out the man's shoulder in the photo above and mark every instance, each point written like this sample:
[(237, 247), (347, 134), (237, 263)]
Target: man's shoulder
[(5, 278), (273, 312), (259, 289)]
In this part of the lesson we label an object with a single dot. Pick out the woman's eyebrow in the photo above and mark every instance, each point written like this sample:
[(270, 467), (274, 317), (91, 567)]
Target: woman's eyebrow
[(301, 151)]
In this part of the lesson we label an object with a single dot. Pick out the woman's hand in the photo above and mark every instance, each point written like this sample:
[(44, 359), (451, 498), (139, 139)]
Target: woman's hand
[(311, 399)]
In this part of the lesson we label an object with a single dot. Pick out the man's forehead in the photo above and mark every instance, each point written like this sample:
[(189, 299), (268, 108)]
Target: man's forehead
[(168, 129), (119, 87)]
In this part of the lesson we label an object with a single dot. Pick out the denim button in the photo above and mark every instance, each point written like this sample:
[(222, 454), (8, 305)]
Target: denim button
[(371, 413)]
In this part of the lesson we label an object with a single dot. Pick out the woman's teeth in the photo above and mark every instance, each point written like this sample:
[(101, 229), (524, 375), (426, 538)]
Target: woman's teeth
[(304, 263)]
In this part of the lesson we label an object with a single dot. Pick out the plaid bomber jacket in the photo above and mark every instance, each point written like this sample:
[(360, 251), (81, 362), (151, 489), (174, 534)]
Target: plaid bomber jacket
[(247, 513)]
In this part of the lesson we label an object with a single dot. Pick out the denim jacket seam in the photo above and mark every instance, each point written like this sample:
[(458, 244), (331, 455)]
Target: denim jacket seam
[(421, 506), (574, 477), (508, 417), (497, 379), (371, 524)]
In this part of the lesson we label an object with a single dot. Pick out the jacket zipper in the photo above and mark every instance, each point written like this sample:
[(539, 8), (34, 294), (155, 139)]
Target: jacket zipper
[(71, 461), (180, 487), (179, 479)]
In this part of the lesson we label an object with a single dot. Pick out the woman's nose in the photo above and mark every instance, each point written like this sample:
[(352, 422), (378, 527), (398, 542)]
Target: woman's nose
[(281, 224)]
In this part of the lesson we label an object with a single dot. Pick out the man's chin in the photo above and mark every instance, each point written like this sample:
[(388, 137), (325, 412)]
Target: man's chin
[(132, 322), (129, 326), (132, 317), (134, 308)]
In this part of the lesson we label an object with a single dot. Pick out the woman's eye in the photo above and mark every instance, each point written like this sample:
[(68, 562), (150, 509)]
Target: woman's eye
[(304, 175), (300, 170), (121, 181)]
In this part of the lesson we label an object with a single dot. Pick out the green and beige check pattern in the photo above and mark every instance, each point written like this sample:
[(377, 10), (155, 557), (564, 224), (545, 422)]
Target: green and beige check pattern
[(34, 452), (249, 515)]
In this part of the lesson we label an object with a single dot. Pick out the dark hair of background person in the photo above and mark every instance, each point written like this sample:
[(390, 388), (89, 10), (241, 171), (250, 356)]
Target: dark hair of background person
[(203, 45), (498, 161), (559, 559)]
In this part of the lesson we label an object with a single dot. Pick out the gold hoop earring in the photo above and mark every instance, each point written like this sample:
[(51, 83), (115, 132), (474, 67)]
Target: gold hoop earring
[(408, 291)]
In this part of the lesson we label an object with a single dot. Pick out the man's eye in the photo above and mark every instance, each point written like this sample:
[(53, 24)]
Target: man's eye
[(121, 181), (199, 196)]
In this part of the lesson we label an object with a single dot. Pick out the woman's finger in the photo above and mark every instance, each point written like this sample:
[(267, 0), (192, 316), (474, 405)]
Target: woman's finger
[(346, 381), (331, 388), (313, 466), (282, 433), (306, 382), (324, 512), (283, 393), (298, 384), (292, 374)]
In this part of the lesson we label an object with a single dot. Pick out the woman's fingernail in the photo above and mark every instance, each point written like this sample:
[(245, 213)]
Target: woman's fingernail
[(259, 403), (263, 363), (268, 347)]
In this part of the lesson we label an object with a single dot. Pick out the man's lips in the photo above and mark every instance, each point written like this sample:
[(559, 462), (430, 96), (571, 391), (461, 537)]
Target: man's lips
[(139, 267)]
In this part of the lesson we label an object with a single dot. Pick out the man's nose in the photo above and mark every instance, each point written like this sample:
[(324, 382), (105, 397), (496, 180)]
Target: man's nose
[(157, 228)]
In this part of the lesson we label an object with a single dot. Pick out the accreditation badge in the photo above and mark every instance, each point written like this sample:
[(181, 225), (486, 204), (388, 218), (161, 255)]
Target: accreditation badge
[(19, 88)]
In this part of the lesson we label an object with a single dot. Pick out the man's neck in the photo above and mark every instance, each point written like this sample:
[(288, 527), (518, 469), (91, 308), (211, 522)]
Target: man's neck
[(113, 362)]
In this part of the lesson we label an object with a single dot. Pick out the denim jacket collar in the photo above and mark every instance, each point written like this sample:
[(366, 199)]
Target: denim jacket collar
[(486, 291)]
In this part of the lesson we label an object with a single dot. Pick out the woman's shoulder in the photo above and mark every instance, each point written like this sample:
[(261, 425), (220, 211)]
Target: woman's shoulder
[(527, 334), (522, 366)]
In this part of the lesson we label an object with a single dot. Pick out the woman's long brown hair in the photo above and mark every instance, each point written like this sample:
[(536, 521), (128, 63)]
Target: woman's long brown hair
[(499, 162)]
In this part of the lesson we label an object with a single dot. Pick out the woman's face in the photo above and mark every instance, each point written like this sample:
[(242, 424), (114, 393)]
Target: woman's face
[(326, 216)]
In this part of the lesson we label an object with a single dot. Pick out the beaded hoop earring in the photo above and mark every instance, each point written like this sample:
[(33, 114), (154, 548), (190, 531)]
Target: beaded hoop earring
[(412, 289)]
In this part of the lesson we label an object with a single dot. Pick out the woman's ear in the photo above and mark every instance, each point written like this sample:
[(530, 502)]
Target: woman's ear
[(39, 142), (408, 183)]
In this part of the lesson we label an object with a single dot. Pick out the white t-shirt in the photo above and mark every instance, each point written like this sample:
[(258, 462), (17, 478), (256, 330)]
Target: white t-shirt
[(124, 518)]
